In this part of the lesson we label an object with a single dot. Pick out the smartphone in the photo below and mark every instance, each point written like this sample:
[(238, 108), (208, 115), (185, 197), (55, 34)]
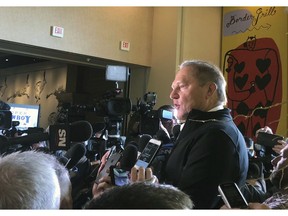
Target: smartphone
[(119, 177), (148, 153), (266, 139), (232, 196), (112, 161)]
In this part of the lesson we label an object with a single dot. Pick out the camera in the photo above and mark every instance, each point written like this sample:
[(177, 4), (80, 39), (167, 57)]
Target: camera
[(106, 107), (269, 140), (144, 119)]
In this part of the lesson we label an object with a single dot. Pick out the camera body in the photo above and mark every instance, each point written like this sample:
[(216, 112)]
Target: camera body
[(146, 120), (269, 140)]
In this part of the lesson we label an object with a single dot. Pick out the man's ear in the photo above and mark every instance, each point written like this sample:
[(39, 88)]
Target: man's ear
[(211, 89)]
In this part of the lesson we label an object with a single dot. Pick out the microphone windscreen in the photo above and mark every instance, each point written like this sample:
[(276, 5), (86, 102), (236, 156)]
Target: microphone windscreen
[(144, 139), (80, 131), (129, 157), (74, 154), (176, 130), (163, 136)]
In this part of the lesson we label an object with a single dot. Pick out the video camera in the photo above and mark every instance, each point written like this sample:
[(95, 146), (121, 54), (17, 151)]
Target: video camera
[(144, 119), (260, 155)]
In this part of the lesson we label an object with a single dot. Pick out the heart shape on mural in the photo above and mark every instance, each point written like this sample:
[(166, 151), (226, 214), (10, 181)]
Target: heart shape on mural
[(262, 82), (263, 64), (239, 67), (241, 81)]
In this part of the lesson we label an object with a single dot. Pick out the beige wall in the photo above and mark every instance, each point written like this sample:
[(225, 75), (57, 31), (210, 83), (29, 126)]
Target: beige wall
[(95, 31), (161, 37), (180, 34)]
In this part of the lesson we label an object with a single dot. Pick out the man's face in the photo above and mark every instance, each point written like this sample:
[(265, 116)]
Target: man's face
[(186, 93), (279, 175)]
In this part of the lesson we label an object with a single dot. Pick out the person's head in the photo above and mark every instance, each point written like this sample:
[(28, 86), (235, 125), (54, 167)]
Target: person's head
[(197, 85), (279, 175), (28, 181), (141, 196)]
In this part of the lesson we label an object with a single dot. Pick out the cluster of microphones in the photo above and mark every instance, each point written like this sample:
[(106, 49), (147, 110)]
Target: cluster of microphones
[(67, 142)]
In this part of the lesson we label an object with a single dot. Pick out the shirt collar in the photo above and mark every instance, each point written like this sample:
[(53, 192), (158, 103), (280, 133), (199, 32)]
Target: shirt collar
[(216, 108)]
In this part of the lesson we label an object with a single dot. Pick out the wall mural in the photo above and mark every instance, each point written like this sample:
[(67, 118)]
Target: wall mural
[(35, 87), (39, 87), (252, 66), (255, 84), (23, 91), (3, 87)]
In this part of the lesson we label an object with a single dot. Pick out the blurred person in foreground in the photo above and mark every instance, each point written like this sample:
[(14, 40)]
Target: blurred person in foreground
[(28, 180), (141, 195)]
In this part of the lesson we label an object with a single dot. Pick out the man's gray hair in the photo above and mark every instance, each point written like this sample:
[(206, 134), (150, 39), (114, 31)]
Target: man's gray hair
[(28, 181), (205, 72)]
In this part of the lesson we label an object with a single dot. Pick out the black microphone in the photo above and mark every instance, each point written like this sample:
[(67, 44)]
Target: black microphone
[(74, 155), (80, 127), (59, 136), (129, 157), (144, 139)]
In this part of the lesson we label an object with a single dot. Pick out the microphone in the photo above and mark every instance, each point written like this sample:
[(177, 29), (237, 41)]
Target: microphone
[(80, 131), (129, 157), (74, 155), (144, 139), (59, 136)]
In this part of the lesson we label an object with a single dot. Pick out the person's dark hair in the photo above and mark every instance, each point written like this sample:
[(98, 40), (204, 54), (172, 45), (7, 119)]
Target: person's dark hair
[(141, 196)]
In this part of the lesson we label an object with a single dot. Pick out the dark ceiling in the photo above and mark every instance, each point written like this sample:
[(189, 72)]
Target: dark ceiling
[(12, 60)]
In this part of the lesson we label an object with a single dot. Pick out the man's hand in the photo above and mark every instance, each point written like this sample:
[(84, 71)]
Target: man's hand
[(143, 175)]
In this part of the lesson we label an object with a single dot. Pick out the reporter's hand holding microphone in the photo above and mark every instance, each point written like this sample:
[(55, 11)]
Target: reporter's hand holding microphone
[(138, 166)]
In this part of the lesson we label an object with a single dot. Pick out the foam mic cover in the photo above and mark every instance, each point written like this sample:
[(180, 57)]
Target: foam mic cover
[(163, 136), (144, 139), (74, 155), (129, 157), (80, 131), (61, 135)]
